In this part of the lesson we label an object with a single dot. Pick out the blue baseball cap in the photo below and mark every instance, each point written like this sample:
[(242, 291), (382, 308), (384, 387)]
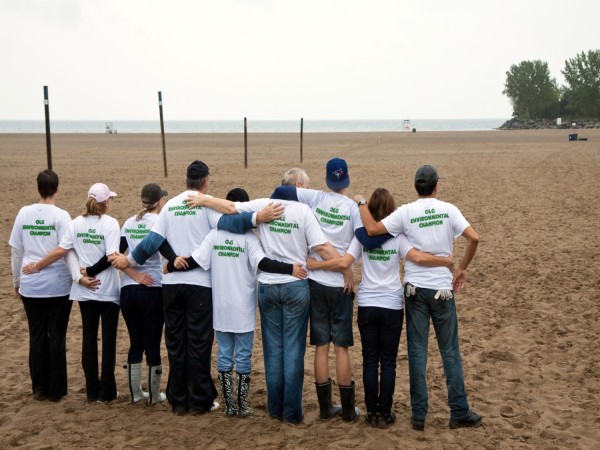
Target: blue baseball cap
[(336, 174)]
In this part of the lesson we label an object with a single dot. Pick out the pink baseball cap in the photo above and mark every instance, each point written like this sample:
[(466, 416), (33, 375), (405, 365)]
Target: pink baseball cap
[(100, 192)]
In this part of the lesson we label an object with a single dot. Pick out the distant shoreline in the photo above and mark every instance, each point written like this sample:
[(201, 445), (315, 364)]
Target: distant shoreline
[(547, 124)]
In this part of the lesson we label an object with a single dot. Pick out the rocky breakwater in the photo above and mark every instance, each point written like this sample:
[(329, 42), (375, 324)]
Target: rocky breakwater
[(547, 124)]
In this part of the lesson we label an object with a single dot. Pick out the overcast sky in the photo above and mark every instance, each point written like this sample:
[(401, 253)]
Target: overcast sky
[(278, 59)]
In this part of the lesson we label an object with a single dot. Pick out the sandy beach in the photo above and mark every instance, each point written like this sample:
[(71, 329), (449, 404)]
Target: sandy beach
[(528, 317)]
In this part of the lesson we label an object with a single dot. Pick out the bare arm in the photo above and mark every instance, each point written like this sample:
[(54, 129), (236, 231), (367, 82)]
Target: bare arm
[(50, 258), (429, 260), (218, 204), (338, 264), (327, 251), (373, 228), (460, 275)]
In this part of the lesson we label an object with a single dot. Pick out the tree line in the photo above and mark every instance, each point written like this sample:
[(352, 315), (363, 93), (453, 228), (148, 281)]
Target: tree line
[(535, 94)]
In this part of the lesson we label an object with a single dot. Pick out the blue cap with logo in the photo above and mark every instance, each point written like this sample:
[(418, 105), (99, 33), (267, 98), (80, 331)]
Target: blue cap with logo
[(336, 174)]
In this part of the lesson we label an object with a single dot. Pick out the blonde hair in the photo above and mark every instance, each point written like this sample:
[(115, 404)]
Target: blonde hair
[(295, 176)]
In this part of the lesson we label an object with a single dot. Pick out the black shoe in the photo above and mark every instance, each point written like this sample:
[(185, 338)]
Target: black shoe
[(386, 419), (418, 424), (39, 396), (180, 410), (372, 419), (472, 419)]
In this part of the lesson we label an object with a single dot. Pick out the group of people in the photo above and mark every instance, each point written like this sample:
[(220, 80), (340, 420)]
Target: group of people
[(298, 270), (56, 260)]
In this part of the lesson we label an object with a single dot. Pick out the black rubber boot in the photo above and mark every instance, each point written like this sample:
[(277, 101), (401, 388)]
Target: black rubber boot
[(326, 407), (349, 411)]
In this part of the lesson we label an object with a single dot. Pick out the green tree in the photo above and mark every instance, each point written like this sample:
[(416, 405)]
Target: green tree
[(582, 75), (531, 90)]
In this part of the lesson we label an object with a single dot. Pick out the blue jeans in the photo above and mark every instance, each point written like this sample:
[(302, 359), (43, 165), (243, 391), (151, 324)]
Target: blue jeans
[(419, 309), (238, 344), (380, 330), (284, 310)]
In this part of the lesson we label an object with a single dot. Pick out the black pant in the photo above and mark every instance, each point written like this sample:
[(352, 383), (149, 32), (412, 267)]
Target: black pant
[(189, 338), (92, 311), (141, 307), (48, 319)]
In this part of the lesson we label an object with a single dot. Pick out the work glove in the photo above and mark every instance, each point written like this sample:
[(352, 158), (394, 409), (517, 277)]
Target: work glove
[(444, 294), (410, 290)]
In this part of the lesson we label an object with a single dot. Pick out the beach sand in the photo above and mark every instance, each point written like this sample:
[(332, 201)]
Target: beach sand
[(528, 317)]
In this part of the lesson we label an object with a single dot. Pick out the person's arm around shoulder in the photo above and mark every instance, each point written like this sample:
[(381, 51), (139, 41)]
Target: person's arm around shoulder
[(427, 259), (373, 228), (338, 264), (218, 204), (460, 274)]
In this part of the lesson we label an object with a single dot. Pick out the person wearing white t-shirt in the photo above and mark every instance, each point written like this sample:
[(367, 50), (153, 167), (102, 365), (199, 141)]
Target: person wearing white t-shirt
[(141, 300), (331, 293), (431, 226), (233, 260), (187, 295), (37, 230), (93, 235), (380, 307), (283, 300)]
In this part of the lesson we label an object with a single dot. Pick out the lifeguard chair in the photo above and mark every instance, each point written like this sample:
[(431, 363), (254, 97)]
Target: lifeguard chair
[(110, 129), (406, 127)]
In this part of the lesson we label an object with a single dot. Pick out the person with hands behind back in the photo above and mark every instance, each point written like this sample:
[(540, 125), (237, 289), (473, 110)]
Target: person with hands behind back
[(93, 235)]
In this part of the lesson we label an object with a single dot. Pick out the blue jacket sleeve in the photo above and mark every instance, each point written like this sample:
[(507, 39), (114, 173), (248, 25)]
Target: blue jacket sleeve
[(235, 223), (371, 242), (147, 247), (285, 193)]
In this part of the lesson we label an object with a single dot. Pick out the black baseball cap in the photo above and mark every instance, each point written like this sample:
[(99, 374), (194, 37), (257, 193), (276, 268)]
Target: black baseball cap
[(426, 175), (197, 171), (152, 193)]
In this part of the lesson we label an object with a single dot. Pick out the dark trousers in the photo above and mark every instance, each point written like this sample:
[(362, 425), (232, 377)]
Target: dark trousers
[(189, 338), (92, 311), (141, 307), (48, 319), (380, 330)]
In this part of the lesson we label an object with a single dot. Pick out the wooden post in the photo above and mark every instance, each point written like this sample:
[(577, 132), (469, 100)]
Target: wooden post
[(162, 132), (301, 137), (245, 144), (48, 143)]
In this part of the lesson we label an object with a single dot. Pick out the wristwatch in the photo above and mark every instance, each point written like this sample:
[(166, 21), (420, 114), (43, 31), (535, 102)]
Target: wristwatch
[(361, 202)]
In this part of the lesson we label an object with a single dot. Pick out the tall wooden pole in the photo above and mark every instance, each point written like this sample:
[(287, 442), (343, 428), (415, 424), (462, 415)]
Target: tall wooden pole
[(162, 132), (48, 143), (301, 137), (245, 144)]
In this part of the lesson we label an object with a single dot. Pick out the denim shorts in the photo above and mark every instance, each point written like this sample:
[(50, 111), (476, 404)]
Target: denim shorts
[(330, 315)]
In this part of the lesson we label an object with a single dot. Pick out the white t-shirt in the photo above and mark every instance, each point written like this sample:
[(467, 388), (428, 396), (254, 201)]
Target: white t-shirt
[(232, 260), (134, 231), (431, 226), (92, 237), (38, 229), (339, 218), (185, 229), (380, 285), (287, 239)]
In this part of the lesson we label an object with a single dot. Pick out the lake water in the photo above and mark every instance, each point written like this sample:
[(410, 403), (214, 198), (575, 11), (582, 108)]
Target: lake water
[(253, 126)]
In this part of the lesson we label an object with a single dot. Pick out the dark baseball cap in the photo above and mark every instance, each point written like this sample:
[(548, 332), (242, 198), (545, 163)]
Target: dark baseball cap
[(426, 175), (336, 174), (197, 171), (152, 193)]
